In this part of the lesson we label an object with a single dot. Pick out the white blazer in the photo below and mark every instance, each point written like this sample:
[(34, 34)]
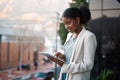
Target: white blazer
[(82, 58)]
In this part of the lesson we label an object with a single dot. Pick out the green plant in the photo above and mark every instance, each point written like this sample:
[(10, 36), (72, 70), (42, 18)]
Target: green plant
[(106, 75), (78, 3), (62, 33)]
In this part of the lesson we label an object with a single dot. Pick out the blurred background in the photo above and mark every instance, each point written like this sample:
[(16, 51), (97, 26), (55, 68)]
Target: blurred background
[(29, 26)]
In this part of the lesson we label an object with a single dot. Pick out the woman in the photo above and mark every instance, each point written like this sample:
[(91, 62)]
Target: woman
[(79, 48)]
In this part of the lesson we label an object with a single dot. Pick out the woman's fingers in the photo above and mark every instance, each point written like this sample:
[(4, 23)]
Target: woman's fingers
[(57, 54), (61, 57)]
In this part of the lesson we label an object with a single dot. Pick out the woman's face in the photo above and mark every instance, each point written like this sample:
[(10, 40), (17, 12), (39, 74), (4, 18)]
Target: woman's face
[(72, 25)]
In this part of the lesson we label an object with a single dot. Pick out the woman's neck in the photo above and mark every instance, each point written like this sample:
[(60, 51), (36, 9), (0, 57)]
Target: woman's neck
[(77, 32)]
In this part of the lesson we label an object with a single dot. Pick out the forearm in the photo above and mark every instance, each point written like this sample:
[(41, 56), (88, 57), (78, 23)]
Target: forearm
[(76, 67)]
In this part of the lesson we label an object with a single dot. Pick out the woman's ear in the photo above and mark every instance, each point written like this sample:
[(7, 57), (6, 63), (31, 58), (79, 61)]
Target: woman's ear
[(78, 20)]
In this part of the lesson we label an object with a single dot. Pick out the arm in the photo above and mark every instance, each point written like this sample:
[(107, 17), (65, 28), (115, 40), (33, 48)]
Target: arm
[(88, 59), (60, 55)]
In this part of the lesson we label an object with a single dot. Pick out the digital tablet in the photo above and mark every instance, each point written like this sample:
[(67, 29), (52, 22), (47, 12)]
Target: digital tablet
[(48, 54)]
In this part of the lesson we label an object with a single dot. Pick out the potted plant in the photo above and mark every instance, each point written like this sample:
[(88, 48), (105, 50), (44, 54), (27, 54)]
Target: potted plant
[(106, 75)]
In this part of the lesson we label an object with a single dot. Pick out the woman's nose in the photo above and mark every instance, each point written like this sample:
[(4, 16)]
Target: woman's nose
[(66, 26)]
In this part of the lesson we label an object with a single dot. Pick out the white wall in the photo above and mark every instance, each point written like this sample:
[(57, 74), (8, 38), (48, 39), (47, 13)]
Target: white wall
[(111, 8)]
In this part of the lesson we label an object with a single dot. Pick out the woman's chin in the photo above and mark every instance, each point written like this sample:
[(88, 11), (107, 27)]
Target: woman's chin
[(69, 31)]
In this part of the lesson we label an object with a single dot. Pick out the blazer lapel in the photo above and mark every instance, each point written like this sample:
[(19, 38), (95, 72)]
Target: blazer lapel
[(77, 44), (68, 37)]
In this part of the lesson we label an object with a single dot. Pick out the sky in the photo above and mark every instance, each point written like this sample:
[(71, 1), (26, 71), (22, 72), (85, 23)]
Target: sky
[(31, 9)]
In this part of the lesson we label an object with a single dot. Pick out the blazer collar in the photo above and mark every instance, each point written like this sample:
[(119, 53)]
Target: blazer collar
[(81, 33), (79, 38)]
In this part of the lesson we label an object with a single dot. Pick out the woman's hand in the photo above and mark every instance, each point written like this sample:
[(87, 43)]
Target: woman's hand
[(60, 56), (57, 61), (57, 55)]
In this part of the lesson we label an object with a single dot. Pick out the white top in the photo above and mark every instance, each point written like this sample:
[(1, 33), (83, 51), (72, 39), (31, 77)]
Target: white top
[(68, 47)]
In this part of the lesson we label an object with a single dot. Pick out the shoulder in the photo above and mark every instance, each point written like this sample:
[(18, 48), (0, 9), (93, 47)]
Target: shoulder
[(88, 33), (69, 35)]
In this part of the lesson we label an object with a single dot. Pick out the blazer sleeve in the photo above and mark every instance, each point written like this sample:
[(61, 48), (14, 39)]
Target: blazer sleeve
[(88, 59)]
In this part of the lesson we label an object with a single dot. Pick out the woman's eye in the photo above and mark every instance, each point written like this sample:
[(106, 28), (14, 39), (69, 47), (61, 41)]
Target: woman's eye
[(68, 23)]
